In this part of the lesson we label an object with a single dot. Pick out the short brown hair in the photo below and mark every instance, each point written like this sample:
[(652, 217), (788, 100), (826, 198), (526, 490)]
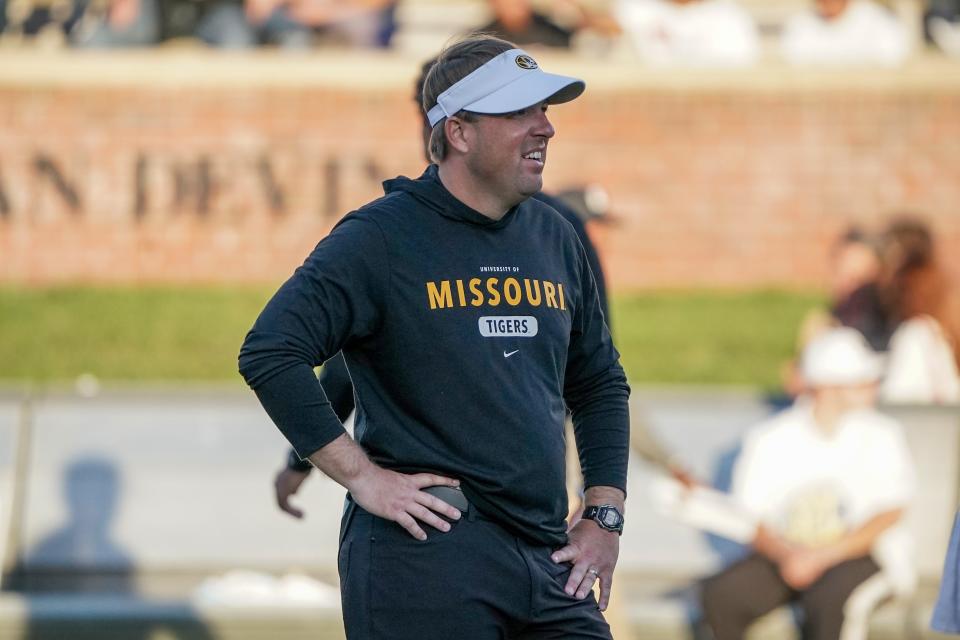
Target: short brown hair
[(455, 63)]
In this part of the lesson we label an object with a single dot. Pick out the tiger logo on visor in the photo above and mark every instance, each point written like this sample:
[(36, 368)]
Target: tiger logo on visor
[(525, 62)]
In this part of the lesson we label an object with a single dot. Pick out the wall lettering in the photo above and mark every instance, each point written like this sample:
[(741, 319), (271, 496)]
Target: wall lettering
[(274, 182)]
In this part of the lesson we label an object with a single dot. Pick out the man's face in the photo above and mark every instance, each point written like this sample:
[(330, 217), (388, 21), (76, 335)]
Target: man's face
[(515, 15), (844, 398), (854, 265), (508, 153), (831, 9)]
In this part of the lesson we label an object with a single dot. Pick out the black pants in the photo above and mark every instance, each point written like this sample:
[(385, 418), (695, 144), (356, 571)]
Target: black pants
[(476, 582), (748, 589)]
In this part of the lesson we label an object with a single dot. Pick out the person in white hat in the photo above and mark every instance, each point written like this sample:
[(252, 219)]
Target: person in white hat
[(827, 482), (469, 321)]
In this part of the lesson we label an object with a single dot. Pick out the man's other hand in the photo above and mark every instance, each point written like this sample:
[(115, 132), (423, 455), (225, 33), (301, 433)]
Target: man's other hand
[(684, 477), (593, 553), (286, 484)]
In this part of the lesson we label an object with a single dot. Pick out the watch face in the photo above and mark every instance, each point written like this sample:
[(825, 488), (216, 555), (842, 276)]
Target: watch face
[(610, 518)]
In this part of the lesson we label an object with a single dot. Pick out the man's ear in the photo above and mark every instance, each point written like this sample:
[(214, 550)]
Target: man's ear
[(459, 136)]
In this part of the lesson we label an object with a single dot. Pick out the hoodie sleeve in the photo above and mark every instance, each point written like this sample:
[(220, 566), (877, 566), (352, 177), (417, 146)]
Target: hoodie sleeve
[(596, 391), (337, 384), (333, 299)]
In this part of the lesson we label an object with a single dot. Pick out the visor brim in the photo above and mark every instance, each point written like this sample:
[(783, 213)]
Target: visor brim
[(527, 91)]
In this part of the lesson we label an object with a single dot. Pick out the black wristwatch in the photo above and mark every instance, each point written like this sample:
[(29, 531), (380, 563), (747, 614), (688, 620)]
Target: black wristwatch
[(607, 517)]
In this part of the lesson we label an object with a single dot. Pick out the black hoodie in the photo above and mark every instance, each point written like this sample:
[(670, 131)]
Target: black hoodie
[(465, 337)]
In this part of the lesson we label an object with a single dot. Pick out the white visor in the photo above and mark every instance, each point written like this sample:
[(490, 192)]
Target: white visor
[(840, 357), (509, 82)]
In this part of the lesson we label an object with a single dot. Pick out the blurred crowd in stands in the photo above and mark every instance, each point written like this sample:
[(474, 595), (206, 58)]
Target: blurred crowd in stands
[(699, 33)]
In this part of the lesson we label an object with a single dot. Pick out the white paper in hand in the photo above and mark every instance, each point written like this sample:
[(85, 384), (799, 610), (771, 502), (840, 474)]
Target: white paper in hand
[(703, 508)]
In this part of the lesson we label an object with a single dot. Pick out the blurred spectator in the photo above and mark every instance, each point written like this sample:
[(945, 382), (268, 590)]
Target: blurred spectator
[(855, 291), (218, 23), (554, 24), (38, 18), (118, 23), (855, 299), (942, 25), (699, 33), (518, 22), (845, 32), (298, 24), (130, 23), (925, 348), (827, 481)]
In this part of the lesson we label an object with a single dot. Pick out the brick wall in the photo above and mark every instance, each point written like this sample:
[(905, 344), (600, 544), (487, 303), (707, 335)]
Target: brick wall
[(231, 170)]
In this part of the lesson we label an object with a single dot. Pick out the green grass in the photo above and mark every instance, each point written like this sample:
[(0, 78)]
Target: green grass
[(709, 337), (125, 334), (193, 334)]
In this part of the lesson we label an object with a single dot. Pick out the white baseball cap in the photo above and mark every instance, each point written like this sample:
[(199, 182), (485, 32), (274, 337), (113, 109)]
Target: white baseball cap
[(840, 357), (508, 82)]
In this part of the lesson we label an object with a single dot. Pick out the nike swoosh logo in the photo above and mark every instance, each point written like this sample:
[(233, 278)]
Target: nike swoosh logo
[(507, 355)]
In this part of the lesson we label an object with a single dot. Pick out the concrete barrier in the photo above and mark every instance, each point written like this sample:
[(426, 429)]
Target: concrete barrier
[(10, 420), (134, 498)]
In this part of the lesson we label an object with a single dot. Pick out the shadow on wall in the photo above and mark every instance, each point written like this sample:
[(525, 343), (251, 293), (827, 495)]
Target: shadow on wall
[(82, 560)]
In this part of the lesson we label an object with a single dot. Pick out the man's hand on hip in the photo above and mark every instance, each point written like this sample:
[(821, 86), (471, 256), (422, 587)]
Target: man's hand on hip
[(388, 494), (593, 553), (399, 497), (592, 550)]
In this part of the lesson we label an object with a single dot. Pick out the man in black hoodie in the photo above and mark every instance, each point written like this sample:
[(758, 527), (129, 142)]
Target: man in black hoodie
[(469, 319), (335, 379)]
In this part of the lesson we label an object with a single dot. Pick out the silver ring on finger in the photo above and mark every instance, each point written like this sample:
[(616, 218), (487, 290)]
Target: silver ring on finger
[(596, 574)]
